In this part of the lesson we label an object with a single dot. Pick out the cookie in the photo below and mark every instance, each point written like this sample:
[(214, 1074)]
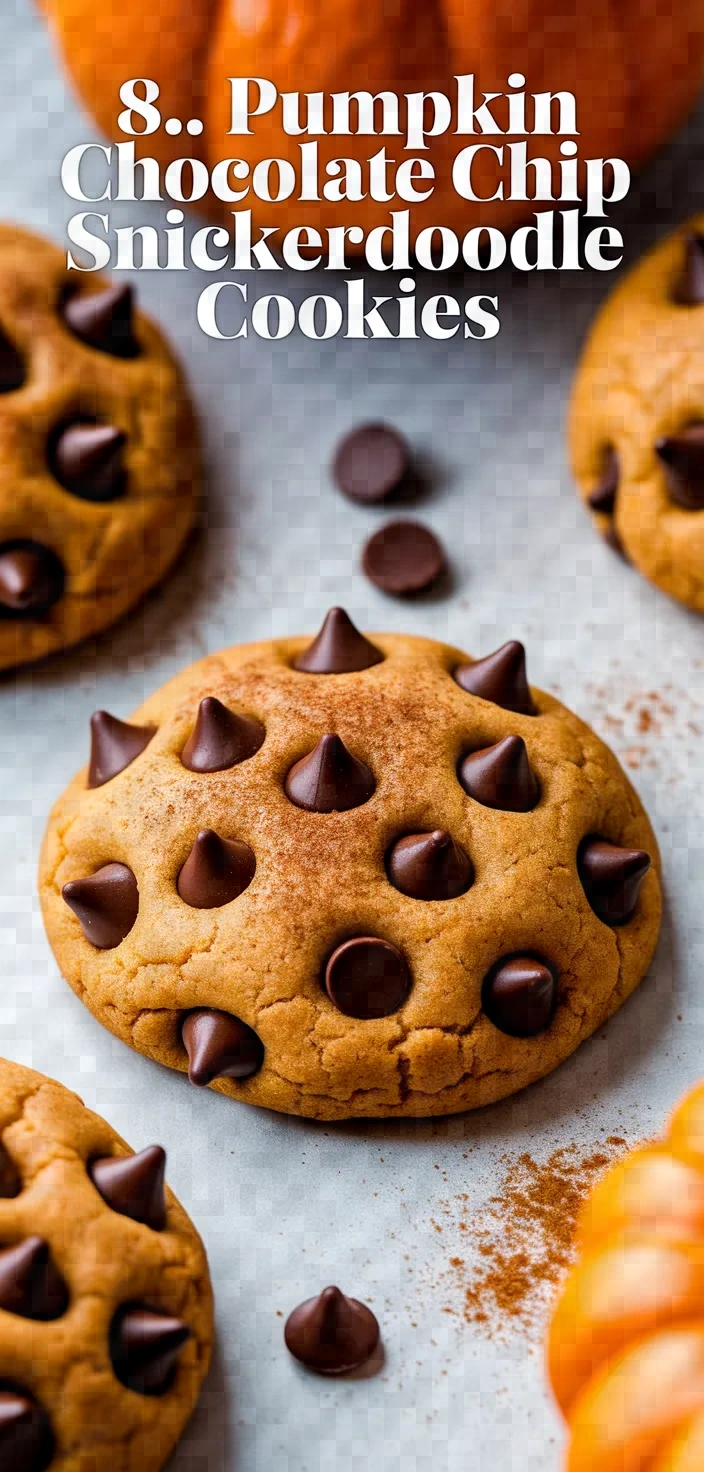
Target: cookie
[(358, 876), (99, 465), (637, 418), (105, 1302)]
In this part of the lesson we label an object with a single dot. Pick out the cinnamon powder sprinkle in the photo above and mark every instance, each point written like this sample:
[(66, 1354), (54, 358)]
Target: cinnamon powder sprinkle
[(523, 1239), (635, 725)]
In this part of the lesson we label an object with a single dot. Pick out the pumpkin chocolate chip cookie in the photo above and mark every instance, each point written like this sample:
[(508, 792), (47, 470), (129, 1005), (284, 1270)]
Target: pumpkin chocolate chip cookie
[(105, 1301), (359, 876), (98, 455), (637, 420)]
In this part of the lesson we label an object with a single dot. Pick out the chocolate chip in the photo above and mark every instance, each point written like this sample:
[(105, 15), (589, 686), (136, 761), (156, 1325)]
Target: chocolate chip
[(603, 496), (329, 779), (219, 1046), (403, 558), (611, 877), (104, 320), (683, 458), (220, 738), (133, 1185), (519, 996), (367, 977), (501, 678), (689, 287), (12, 374), (371, 463), (216, 871), (114, 745), (30, 1285), (339, 648), (10, 1181), (501, 776), (87, 460), (613, 540), (430, 866), (331, 1333), (31, 580), (144, 1348), (106, 903), (26, 1442)]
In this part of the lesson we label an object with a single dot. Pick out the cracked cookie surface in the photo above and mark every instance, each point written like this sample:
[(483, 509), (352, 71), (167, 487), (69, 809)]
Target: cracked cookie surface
[(99, 464), (637, 411), (401, 938), (105, 1370)]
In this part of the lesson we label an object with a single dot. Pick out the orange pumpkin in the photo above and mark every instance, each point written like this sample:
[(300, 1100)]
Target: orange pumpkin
[(633, 65), (626, 1346)]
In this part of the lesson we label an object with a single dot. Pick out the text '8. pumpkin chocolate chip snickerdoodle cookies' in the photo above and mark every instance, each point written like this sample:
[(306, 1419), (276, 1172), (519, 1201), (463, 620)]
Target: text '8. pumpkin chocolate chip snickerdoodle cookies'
[(98, 457), (353, 877), (637, 421), (105, 1302)]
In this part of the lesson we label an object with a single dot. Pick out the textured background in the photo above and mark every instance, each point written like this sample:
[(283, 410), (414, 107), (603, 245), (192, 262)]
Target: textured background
[(284, 1206)]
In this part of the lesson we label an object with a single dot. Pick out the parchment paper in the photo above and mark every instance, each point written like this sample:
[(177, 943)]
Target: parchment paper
[(286, 1206)]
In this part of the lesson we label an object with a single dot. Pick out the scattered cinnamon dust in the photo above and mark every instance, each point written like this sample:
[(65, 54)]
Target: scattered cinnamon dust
[(523, 1239), (635, 724), (634, 720)]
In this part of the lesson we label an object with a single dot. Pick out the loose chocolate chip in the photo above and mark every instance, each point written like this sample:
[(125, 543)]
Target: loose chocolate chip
[(371, 463), (26, 1442), (403, 558), (329, 779), (104, 320), (367, 977), (144, 1348), (12, 374), (689, 287), (519, 995), (430, 866), (611, 877), (216, 871), (501, 776), (603, 496), (331, 1333), (220, 739), (88, 460), (219, 1046), (29, 1282), (683, 458), (338, 649), (501, 678), (133, 1185), (106, 903), (113, 746), (31, 580)]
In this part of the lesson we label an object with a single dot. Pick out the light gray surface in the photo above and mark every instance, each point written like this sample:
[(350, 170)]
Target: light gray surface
[(285, 1206)]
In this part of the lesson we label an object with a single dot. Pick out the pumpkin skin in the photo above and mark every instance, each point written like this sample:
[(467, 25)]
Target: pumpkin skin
[(626, 1344), (633, 65)]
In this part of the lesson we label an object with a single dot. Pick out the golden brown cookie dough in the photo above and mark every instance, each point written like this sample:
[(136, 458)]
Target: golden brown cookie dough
[(638, 400), (99, 465), (255, 910), (105, 1301)]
